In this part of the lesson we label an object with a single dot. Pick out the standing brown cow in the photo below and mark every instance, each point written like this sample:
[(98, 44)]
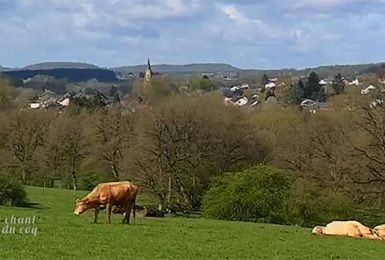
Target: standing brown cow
[(121, 194)]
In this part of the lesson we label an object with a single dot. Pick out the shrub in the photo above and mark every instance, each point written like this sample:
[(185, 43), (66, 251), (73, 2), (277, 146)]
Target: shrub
[(11, 191), (370, 217), (257, 195), (311, 205)]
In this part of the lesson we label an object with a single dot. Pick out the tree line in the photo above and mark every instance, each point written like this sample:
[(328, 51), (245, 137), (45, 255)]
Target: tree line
[(175, 148)]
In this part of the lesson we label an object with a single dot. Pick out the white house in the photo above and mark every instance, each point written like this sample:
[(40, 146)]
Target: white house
[(242, 101), (322, 82), (376, 103), (354, 82), (270, 85), (245, 86), (368, 89), (34, 105)]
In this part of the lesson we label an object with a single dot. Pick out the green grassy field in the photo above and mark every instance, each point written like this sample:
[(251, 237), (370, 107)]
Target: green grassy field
[(61, 235)]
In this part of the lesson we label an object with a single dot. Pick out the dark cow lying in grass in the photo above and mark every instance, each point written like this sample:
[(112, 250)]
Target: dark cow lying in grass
[(120, 194), (153, 212), (142, 211)]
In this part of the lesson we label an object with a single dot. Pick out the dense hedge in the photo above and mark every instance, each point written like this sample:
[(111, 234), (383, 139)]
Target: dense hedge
[(257, 194), (310, 205), (266, 194)]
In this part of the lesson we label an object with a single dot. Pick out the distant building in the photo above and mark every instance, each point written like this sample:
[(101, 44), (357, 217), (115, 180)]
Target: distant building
[(367, 90), (270, 85), (148, 72), (322, 82), (354, 82)]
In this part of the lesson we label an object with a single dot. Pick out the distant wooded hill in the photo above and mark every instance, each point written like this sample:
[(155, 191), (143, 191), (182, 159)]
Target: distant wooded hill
[(4, 69), (77, 71), (60, 65), (179, 69), (323, 71), (350, 71), (346, 70), (71, 75)]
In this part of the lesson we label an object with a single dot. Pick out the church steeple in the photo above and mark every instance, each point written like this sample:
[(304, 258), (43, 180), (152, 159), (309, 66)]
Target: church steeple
[(148, 64), (148, 72)]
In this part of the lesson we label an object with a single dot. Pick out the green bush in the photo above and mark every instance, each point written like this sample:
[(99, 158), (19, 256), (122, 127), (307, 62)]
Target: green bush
[(370, 217), (12, 193), (257, 195), (310, 205)]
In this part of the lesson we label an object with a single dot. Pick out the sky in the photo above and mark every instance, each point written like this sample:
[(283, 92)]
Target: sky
[(259, 34)]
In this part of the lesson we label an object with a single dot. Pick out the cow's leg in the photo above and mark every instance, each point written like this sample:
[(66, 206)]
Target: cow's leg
[(133, 209), (96, 214), (126, 215), (128, 212), (108, 212), (124, 209)]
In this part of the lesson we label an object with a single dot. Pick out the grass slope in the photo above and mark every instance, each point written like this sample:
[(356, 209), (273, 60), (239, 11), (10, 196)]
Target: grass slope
[(61, 235)]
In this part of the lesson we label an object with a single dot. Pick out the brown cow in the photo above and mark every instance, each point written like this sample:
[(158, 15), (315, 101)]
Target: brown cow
[(346, 228), (121, 194)]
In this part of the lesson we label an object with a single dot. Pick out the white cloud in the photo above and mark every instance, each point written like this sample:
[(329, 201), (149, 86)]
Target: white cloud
[(153, 9), (318, 3), (325, 4), (246, 28), (270, 33), (232, 12), (86, 15)]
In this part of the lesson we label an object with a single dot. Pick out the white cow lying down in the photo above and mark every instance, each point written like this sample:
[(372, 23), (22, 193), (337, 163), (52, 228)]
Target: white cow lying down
[(347, 228)]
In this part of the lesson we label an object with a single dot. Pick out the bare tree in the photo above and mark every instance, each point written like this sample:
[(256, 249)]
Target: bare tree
[(371, 147), (7, 95), (53, 154), (175, 147), (24, 135), (186, 142), (330, 144), (73, 146), (112, 133), (318, 148)]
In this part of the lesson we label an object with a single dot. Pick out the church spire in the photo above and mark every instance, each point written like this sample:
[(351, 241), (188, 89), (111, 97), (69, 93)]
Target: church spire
[(148, 72), (148, 64)]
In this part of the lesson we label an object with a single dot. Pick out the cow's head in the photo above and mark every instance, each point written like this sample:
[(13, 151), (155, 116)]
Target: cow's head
[(318, 230), (81, 206)]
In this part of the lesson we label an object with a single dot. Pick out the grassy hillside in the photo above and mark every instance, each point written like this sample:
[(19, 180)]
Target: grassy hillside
[(61, 235)]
